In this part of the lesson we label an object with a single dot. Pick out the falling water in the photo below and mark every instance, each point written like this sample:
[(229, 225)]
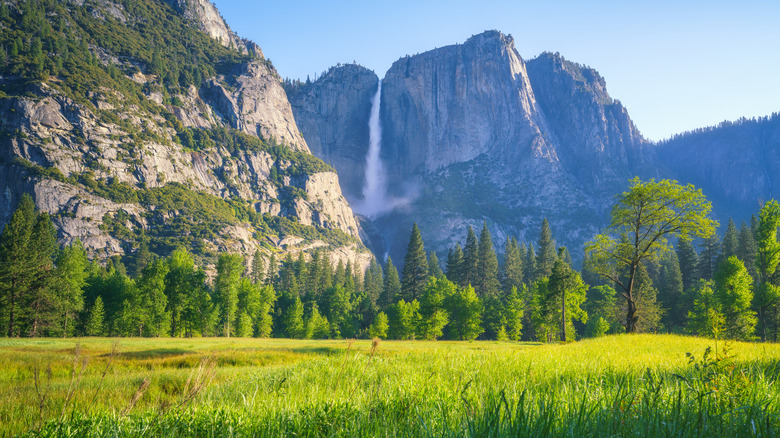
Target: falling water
[(376, 201), (376, 186)]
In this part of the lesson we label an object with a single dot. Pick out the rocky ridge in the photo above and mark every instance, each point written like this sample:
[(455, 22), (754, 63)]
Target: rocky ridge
[(95, 163), (473, 133)]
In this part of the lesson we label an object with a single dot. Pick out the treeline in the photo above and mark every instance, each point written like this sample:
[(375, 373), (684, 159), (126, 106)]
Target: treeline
[(535, 294)]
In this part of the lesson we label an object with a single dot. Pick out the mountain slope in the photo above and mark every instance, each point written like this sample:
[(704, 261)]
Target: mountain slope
[(473, 133), (128, 123)]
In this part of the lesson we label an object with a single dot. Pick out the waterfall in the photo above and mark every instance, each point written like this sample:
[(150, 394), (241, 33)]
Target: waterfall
[(375, 201), (375, 188)]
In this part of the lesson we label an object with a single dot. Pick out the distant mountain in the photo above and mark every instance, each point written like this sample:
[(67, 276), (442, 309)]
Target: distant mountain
[(150, 121), (474, 133)]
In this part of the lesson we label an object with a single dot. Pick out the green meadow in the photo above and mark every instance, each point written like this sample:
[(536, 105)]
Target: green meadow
[(625, 385)]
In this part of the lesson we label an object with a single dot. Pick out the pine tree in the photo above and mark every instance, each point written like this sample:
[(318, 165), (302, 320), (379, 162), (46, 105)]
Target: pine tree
[(708, 259), (434, 269), (16, 263), (747, 250), (293, 320), (704, 318), (258, 267), (415, 271), (94, 325), (487, 266), (465, 309), (670, 293), (734, 295), (455, 266), (373, 281), (229, 270), (688, 259), (566, 293), (512, 272), (42, 301), (470, 259), (433, 317), (529, 265), (391, 288), (151, 302), (730, 242), (71, 275), (317, 326), (545, 258)]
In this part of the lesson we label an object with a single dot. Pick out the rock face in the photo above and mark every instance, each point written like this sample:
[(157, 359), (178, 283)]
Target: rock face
[(253, 101), (208, 19), (332, 113), (472, 133), (94, 164)]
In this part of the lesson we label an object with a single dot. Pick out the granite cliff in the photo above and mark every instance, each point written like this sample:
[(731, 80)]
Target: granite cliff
[(203, 154), (474, 133)]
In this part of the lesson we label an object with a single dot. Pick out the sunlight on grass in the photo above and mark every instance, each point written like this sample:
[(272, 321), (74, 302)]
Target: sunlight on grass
[(606, 385)]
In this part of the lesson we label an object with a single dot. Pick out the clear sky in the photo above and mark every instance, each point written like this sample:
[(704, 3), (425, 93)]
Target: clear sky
[(676, 65)]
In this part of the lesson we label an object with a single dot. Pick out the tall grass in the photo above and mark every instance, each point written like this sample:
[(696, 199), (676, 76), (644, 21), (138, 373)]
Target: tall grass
[(640, 385)]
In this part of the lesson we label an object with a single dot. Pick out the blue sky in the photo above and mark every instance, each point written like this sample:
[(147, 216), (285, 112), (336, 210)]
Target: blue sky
[(676, 65)]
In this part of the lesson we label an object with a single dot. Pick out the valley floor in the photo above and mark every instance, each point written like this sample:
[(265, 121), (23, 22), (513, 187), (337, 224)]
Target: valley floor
[(627, 385)]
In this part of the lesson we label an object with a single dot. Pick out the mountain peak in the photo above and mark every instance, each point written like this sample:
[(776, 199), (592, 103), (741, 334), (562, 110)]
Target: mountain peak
[(211, 22)]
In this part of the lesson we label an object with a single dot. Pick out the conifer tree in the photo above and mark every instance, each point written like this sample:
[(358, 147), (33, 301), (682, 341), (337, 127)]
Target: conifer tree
[(433, 317), (373, 280), (415, 271), (41, 298), (670, 292), (150, 301), (465, 310), (512, 272), (258, 267), (434, 269), (470, 258), (293, 320), (391, 287), (455, 266), (94, 325), (747, 250), (688, 259), (566, 293), (545, 257), (17, 265), (229, 270), (317, 326), (767, 260), (708, 258), (734, 295), (487, 266), (704, 318), (71, 275), (730, 242), (529, 265)]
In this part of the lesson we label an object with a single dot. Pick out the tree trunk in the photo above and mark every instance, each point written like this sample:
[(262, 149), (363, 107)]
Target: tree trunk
[(563, 317), (11, 314), (631, 317)]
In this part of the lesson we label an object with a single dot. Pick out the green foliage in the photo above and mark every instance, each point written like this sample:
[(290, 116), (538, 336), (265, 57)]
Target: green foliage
[(94, 325), (546, 255), (768, 257), (643, 220), (465, 310), (734, 295), (379, 327), (229, 270), (415, 270), (486, 282), (404, 320)]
